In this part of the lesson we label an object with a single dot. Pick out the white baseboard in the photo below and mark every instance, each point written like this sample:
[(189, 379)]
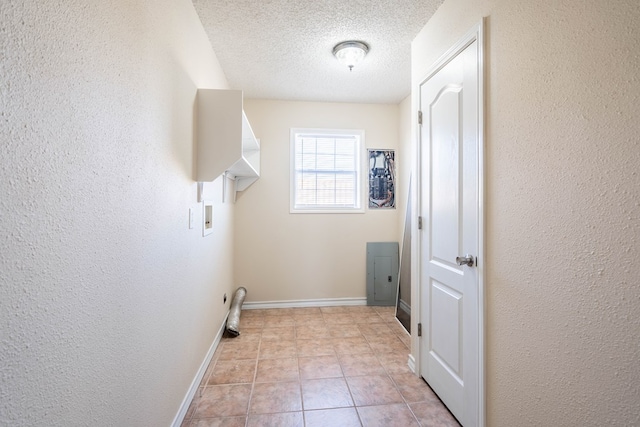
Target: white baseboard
[(412, 363), (323, 302), (405, 307), (193, 388)]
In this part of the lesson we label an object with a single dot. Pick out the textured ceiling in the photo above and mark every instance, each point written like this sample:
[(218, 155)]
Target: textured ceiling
[(282, 49)]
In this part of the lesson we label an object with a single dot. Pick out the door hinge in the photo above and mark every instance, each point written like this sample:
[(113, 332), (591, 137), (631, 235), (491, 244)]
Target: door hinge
[(419, 329), (419, 223), (419, 117)]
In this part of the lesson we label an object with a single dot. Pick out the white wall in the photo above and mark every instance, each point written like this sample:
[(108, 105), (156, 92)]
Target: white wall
[(108, 302), (281, 256), (562, 205)]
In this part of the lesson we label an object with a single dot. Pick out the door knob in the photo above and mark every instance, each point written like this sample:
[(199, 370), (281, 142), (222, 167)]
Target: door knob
[(466, 260)]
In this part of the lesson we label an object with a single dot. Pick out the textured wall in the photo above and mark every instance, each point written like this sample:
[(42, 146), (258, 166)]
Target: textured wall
[(562, 206), (283, 256), (108, 302)]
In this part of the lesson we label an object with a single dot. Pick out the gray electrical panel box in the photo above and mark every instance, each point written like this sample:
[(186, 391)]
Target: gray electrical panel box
[(382, 273)]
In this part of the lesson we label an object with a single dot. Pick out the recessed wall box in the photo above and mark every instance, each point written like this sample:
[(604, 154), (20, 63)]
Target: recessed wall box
[(207, 218)]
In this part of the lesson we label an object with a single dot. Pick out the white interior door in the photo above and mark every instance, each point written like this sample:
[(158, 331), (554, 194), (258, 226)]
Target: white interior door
[(450, 209)]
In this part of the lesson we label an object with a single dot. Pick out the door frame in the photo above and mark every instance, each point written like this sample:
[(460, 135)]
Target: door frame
[(475, 34)]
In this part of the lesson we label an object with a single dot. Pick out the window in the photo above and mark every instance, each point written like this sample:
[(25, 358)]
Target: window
[(326, 170)]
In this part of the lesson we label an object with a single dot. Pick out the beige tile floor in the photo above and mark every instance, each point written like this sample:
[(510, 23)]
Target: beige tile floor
[(315, 367)]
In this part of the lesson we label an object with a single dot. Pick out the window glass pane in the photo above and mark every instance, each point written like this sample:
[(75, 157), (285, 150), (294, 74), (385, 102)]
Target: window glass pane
[(346, 181), (325, 162), (326, 146), (308, 145), (346, 147), (307, 163), (326, 197), (306, 181), (306, 197), (345, 163)]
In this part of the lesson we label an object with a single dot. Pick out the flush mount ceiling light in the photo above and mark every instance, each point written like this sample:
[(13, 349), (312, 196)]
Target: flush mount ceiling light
[(350, 53)]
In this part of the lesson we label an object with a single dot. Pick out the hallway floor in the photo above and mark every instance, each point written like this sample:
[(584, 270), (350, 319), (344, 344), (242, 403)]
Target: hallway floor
[(321, 366)]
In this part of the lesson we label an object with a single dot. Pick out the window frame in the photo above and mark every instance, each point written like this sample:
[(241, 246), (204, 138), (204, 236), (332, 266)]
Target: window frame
[(361, 152)]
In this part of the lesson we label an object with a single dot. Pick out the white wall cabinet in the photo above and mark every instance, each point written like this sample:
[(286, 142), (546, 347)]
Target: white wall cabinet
[(225, 140)]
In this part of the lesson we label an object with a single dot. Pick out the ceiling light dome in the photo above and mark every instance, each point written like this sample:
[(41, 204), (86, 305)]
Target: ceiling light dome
[(350, 53)]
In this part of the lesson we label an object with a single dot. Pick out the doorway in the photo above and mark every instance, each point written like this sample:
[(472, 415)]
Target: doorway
[(451, 237)]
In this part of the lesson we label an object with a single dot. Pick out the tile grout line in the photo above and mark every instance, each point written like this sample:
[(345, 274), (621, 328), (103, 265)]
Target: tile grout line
[(395, 383), (295, 340), (255, 375)]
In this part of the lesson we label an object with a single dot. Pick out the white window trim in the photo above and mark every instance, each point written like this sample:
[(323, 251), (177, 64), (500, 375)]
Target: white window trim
[(362, 173)]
